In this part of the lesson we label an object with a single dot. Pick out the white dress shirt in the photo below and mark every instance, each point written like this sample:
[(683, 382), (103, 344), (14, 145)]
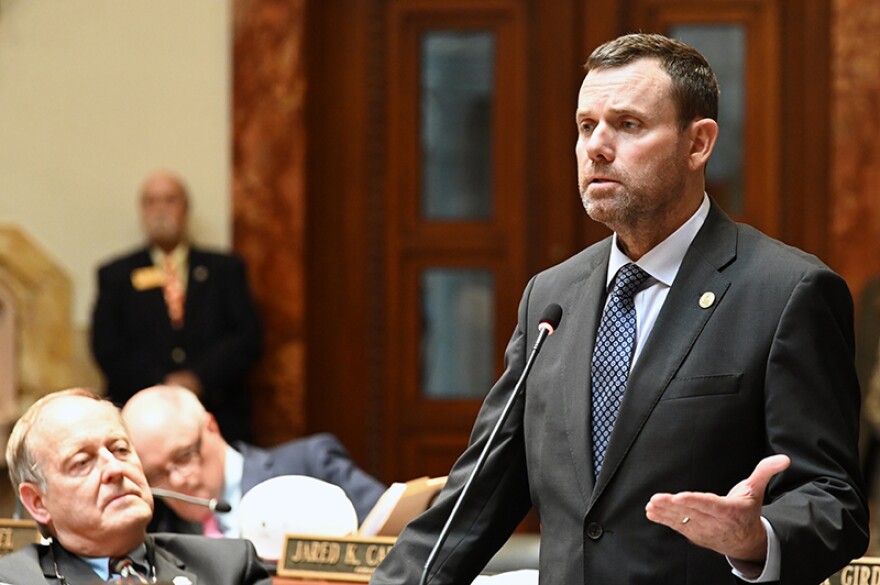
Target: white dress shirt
[(662, 264)]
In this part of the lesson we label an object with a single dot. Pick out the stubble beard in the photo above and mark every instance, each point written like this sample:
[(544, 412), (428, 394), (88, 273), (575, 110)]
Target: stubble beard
[(162, 229), (636, 207), (611, 210)]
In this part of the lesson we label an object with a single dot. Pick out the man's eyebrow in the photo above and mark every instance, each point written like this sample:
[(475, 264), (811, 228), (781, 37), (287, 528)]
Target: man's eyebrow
[(65, 455), (112, 438), (627, 111), (614, 111)]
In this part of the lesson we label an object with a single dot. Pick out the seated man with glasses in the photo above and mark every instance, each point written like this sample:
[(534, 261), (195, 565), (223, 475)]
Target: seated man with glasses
[(183, 451), (72, 464)]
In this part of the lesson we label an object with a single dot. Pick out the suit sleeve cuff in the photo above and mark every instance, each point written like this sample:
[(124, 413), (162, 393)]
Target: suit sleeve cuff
[(755, 573)]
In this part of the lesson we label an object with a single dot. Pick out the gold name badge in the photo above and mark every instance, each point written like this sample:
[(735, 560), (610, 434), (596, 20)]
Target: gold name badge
[(147, 278)]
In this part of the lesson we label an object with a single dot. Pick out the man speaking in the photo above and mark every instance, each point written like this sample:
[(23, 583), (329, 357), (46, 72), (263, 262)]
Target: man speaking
[(694, 420)]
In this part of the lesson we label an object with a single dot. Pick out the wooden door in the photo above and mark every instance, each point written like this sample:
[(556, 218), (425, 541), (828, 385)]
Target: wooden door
[(428, 120), (424, 224)]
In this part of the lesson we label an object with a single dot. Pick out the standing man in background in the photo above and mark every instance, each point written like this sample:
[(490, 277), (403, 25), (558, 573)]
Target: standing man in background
[(695, 418), (174, 313)]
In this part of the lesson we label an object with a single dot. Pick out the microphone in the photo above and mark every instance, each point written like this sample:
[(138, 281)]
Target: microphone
[(215, 505), (549, 322)]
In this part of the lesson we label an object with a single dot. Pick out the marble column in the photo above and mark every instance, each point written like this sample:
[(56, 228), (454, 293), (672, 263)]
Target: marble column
[(855, 166), (269, 201)]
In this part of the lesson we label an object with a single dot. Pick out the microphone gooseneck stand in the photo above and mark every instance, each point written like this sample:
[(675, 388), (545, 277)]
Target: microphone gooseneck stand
[(549, 322)]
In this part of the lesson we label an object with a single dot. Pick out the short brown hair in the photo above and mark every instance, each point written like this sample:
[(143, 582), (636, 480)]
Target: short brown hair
[(694, 86), (23, 467)]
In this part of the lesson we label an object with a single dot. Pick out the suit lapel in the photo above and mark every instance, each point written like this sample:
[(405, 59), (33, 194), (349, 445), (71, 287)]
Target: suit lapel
[(74, 570), (583, 301), (169, 567), (198, 275), (677, 328), (258, 465)]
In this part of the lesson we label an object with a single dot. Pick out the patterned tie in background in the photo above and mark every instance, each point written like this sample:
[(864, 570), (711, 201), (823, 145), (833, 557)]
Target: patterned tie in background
[(123, 570), (173, 291), (611, 357)]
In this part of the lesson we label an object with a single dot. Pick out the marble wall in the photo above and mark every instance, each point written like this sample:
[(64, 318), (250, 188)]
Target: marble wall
[(269, 142), (855, 119)]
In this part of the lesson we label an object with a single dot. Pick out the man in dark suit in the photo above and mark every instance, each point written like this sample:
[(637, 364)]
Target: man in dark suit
[(79, 477), (197, 461), (177, 314), (733, 359)]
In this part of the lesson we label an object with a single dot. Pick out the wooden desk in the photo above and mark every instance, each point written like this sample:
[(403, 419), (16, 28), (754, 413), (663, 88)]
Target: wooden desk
[(276, 580), (863, 571)]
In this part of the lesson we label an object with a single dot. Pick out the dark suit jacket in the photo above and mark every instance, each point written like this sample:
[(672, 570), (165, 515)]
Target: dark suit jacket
[(135, 345), (767, 368), (205, 561), (321, 456)]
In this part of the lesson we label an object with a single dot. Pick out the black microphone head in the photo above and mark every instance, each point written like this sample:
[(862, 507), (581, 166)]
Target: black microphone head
[(552, 316), (220, 506)]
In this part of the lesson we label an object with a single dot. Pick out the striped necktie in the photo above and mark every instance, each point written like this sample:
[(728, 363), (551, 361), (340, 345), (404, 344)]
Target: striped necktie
[(173, 292), (124, 570)]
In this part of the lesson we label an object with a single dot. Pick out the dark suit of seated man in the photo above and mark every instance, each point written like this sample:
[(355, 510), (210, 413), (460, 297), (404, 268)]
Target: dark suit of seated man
[(197, 461), (77, 474)]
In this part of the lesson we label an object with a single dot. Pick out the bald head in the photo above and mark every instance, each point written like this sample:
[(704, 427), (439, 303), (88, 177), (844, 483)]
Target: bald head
[(179, 444), (163, 407), (164, 209)]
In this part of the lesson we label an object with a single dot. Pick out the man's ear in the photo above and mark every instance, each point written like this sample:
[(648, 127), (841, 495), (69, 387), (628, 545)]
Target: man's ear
[(704, 133), (32, 499), (211, 424)]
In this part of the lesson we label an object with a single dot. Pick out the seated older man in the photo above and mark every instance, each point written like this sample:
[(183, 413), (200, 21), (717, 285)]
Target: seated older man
[(76, 472), (196, 460)]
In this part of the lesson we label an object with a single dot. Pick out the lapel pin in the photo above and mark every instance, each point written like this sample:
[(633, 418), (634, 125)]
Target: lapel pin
[(707, 300), (200, 273)]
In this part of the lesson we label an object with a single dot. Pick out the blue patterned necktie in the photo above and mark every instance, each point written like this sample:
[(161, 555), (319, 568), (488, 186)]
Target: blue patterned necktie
[(123, 570), (611, 357)]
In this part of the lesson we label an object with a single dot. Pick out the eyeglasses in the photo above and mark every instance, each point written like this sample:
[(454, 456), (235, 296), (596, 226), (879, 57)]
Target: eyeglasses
[(184, 463)]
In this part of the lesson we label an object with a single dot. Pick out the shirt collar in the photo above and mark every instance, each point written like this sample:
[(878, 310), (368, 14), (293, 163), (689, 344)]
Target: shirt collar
[(178, 255), (663, 260), (101, 565), (233, 475)]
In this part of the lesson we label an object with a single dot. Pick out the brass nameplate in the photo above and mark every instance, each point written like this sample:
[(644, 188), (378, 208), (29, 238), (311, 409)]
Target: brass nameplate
[(346, 558), (863, 571), (16, 534)]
